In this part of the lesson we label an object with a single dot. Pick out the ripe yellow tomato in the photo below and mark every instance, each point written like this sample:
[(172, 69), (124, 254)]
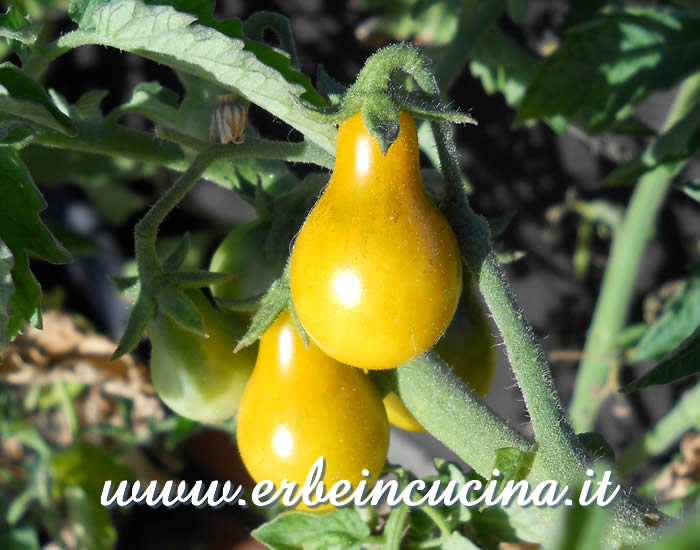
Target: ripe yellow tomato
[(197, 377), (467, 346), (301, 404), (376, 272)]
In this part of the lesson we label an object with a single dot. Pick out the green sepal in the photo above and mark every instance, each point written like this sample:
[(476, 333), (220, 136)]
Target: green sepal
[(199, 278), (275, 301), (174, 303), (300, 328), (142, 313), (247, 304), (177, 257)]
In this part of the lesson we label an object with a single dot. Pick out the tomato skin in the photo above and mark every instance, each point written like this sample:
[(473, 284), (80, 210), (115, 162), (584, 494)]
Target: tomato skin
[(200, 378), (467, 346), (301, 404), (241, 253), (376, 271)]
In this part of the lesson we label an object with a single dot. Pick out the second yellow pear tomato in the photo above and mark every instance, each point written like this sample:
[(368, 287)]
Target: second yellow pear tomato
[(467, 346), (301, 404), (200, 378), (376, 272)]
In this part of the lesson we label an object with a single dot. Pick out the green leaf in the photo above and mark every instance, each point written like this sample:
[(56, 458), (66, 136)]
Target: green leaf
[(680, 316), (180, 308), (609, 64), (16, 133), (457, 541), (692, 189), (683, 362), (597, 446), (88, 104), (152, 100), (338, 530), (81, 11), (209, 49), (21, 97), (502, 66), (272, 304), (91, 521), (14, 26), (23, 232), (20, 538), (6, 290), (513, 464), (677, 144)]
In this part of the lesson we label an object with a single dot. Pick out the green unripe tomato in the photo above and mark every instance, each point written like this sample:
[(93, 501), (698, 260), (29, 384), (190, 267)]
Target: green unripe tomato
[(243, 254), (197, 377)]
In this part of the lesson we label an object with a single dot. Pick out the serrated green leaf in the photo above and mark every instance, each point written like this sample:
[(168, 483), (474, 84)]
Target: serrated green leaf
[(680, 316), (609, 64), (20, 538), (14, 25), (212, 50), (23, 232), (338, 530), (81, 11), (677, 144), (6, 290), (21, 97), (180, 308), (272, 304), (681, 363)]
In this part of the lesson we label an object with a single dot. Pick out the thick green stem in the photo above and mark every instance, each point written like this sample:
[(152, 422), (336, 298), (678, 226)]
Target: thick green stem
[(617, 290), (558, 443), (683, 417)]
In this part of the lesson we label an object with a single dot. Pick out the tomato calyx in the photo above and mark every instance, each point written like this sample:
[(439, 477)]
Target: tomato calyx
[(376, 94)]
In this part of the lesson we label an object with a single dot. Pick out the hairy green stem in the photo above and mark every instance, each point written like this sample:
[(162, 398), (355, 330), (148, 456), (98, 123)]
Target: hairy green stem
[(557, 441), (683, 417), (629, 244)]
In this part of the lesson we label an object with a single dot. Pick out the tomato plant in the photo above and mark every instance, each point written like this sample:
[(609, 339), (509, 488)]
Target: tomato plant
[(301, 404), (373, 247), (567, 96)]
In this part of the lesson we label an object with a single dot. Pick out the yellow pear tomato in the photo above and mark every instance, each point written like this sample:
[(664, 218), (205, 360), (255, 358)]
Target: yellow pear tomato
[(376, 272), (467, 346), (301, 404), (199, 377)]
